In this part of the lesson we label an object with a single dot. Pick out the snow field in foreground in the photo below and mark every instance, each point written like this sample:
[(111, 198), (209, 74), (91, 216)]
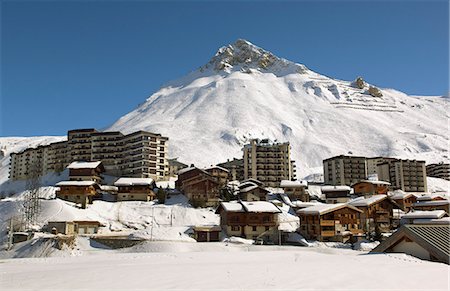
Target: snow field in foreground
[(255, 267)]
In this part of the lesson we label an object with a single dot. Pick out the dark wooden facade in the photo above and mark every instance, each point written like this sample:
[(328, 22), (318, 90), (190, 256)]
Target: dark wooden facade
[(336, 225)]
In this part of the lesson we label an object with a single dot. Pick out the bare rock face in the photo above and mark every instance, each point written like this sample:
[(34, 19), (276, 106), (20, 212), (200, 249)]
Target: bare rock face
[(359, 83), (242, 56), (374, 91)]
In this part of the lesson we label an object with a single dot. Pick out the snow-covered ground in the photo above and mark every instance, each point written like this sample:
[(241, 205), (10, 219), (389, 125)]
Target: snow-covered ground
[(220, 266)]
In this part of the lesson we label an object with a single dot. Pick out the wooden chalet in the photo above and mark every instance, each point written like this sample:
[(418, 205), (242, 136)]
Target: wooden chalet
[(220, 173), (86, 171), (199, 185), (330, 222), (336, 194), (425, 217), (404, 199), (135, 189), (250, 220), (427, 242), (369, 187), (295, 190), (80, 192), (377, 213), (249, 191)]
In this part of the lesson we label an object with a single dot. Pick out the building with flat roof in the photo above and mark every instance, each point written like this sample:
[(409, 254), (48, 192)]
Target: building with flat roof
[(268, 162), (406, 175), (440, 170), (344, 170)]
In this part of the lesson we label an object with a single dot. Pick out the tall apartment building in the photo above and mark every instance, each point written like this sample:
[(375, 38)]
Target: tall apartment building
[(107, 147), (267, 162), (140, 154), (372, 164), (58, 156), (406, 175), (344, 170), (144, 155), (440, 170)]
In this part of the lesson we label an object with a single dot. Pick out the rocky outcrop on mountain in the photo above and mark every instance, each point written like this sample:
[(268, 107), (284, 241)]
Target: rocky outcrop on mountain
[(375, 92)]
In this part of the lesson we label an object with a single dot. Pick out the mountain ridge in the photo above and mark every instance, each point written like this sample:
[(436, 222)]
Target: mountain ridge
[(245, 92)]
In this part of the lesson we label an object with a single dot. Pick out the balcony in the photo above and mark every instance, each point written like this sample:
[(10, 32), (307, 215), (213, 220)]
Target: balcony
[(327, 233), (327, 222)]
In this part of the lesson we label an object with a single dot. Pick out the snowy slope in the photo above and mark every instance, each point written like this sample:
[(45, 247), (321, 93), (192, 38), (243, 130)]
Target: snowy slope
[(245, 92)]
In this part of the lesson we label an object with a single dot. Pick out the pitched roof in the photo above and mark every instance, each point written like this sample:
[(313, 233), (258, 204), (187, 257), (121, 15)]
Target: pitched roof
[(246, 206), (374, 182), (133, 182), (433, 214), (329, 188), (293, 184), (433, 238), (84, 165), (364, 202), (260, 206), (432, 203), (217, 167), (232, 206), (76, 183), (322, 208)]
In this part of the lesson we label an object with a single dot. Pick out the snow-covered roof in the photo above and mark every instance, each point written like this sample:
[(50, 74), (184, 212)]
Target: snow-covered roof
[(108, 188), (248, 188), (217, 167), (432, 203), (428, 197), (367, 201), (399, 194), (246, 184), (133, 181), (232, 206), (293, 184), (375, 182), (433, 214), (76, 183), (325, 208), (84, 165), (443, 220), (329, 188), (260, 206), (185, 170)]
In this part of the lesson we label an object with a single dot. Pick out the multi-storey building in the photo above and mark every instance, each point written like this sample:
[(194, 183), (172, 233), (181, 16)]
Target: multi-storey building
[(107, 147), (344, 170), (372, 164), (406, 175), (267, 162), (140, 154), (440, 170), (144, 155), (80, 144), (58, 156)]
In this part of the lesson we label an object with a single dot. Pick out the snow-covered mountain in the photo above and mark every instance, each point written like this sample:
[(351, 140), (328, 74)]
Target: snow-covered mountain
[(246, 92)]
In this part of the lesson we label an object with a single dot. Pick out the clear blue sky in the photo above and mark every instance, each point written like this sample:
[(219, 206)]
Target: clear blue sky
[(86, 63)]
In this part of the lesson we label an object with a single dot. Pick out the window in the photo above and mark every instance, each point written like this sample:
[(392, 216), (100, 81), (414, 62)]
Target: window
[(253, 228), (235, 228)]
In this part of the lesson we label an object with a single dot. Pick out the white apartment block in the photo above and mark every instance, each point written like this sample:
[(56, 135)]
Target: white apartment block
[(268, 162), (140, 154)]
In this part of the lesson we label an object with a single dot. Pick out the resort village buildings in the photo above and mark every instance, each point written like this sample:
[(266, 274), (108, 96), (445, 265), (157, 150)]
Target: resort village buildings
[(140, 154)]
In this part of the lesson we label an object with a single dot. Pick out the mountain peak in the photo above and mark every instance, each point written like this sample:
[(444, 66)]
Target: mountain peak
[(244, 56)]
